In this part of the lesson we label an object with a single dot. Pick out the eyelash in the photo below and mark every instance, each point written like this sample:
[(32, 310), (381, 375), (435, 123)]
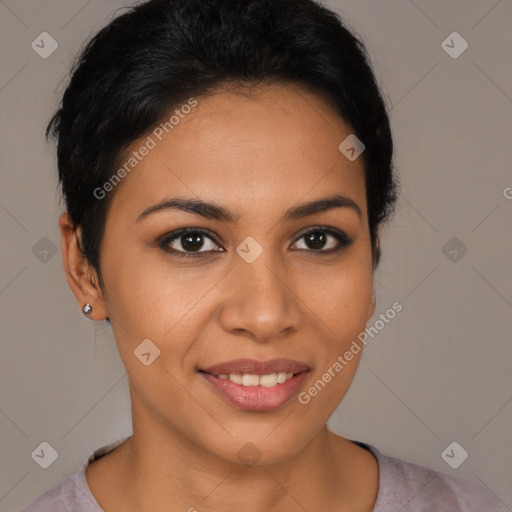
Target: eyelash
[(164, 241)]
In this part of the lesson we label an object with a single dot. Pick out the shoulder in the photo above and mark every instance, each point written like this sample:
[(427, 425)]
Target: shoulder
[(410, 487), (53, 500), (73, 493)]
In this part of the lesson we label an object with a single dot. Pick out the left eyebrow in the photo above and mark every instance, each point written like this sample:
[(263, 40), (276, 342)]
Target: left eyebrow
[(213, 211), (322, 205)]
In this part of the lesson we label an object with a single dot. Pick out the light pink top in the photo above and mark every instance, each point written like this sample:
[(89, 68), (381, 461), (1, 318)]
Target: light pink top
[(403, 486)]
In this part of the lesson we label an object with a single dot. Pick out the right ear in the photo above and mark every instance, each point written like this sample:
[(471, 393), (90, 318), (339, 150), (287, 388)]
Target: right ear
[(82, 278)]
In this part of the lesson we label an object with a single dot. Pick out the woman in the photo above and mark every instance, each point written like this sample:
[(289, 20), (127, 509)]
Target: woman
[(227, 168)]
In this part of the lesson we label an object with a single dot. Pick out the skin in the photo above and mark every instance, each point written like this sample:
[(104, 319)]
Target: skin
[(255, 156)]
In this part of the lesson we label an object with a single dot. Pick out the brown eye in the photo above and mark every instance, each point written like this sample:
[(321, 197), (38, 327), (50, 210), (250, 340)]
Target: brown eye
[(324, 240), (188, 242), (191, 242)]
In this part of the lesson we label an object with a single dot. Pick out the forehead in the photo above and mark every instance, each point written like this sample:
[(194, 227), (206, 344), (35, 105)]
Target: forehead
[(261, 148)]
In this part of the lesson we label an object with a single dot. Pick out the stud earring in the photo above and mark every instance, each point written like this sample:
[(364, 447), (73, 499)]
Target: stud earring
[(87, 309)]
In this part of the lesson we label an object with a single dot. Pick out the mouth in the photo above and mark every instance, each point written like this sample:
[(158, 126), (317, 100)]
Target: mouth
[(251, 380), (257, 385)]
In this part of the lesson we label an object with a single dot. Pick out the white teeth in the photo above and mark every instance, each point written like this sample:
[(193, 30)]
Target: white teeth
[(268, 381), (236, 378), (251, 380)]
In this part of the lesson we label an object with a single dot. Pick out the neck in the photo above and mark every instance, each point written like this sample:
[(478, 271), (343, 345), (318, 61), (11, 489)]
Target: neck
[(159, 469)]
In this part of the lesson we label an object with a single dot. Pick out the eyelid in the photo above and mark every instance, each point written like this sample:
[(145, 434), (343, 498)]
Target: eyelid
[(327, 229)]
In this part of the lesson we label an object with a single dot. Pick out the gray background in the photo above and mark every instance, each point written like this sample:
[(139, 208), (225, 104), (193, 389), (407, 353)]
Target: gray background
[(439, 372)]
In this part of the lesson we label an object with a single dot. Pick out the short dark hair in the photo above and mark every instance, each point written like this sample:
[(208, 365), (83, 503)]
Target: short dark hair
[(160, 53)]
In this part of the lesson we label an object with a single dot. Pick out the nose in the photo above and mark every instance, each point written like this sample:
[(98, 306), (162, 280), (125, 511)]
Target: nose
[(262, 303)]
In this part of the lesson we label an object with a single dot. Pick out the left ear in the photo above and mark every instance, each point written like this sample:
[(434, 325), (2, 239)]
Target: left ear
[(371, 309), (376, 252)]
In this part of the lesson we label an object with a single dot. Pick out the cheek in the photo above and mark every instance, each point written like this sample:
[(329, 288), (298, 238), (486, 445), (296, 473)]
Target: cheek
[(146, 292), (340, 296), (150, 298), (343, 311)]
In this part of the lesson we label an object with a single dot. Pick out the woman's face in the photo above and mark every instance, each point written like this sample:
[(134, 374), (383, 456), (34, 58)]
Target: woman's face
[(255, 286)]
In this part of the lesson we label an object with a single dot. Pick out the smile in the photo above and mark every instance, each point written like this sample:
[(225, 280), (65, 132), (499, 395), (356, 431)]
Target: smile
[(251, 380), (256, 386)]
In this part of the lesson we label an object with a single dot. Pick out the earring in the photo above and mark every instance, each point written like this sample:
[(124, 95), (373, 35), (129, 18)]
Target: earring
[(87, 309)]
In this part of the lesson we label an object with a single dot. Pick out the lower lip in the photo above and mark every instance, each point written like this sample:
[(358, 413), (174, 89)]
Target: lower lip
[(257, 398)]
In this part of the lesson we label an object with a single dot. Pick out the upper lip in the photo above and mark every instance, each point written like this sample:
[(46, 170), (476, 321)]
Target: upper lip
[(255, 367)]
